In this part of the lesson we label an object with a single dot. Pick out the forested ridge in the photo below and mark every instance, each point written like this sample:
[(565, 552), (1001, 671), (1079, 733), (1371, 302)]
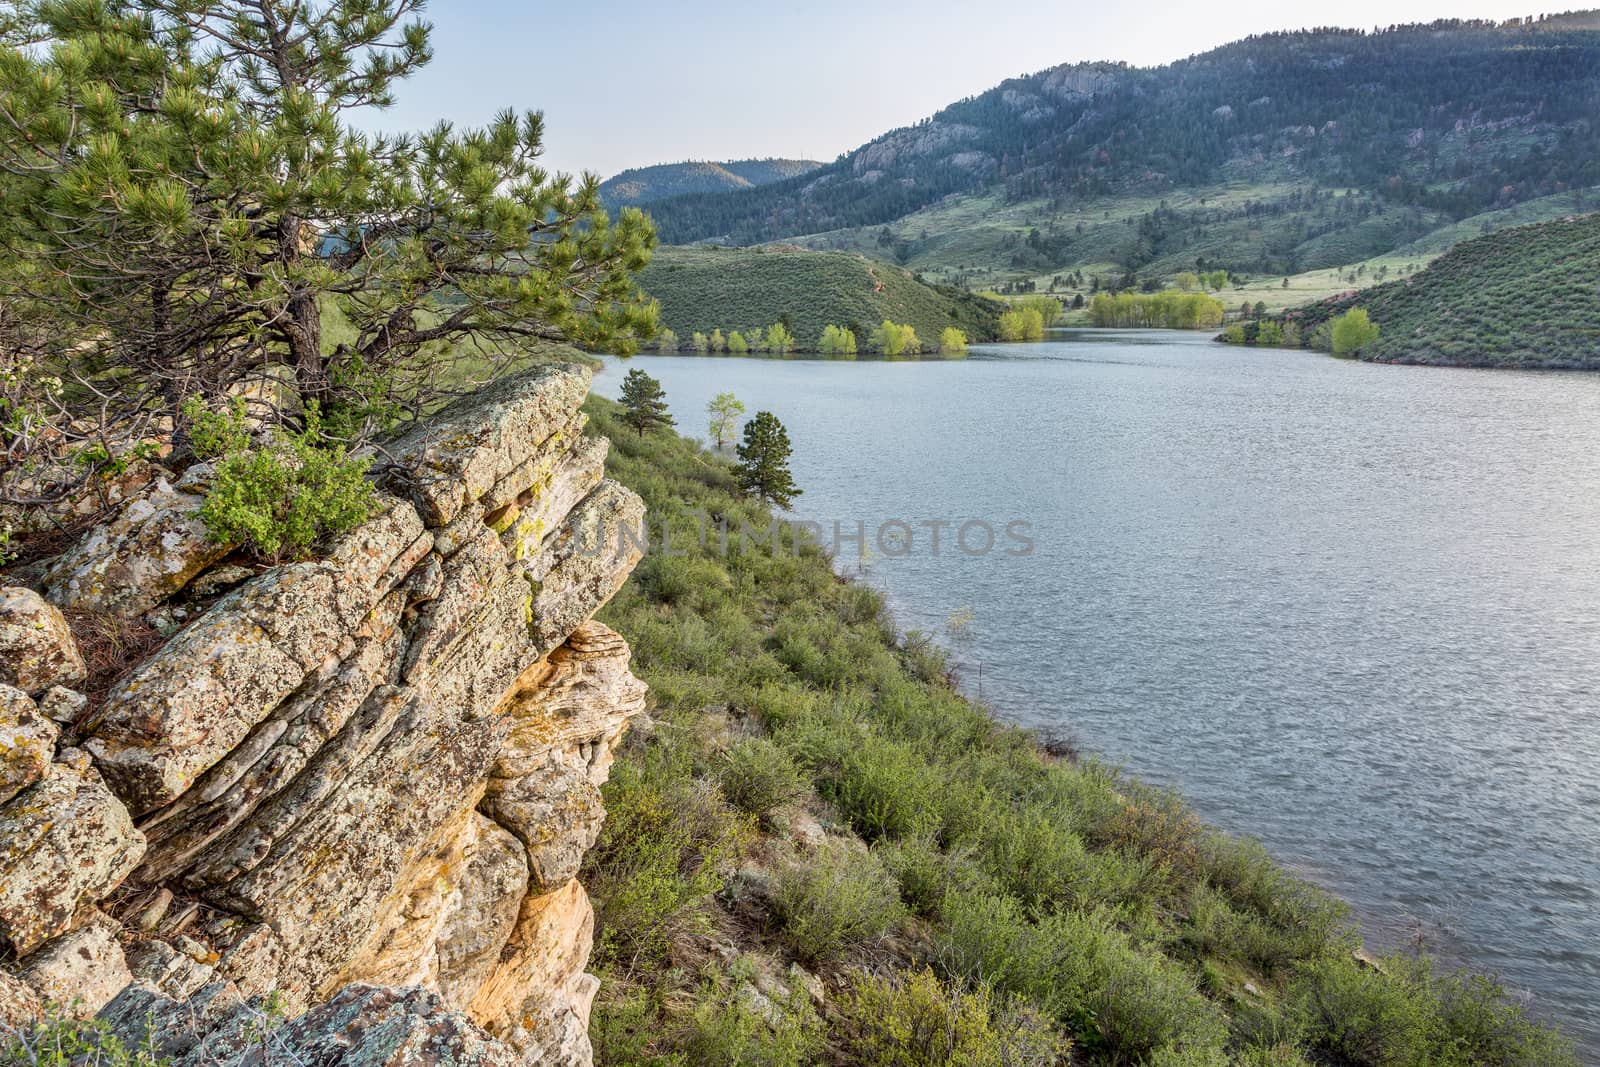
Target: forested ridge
[(1453, 117)]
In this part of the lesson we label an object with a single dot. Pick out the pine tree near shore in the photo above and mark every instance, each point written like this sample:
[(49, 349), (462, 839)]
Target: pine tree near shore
[(189, 204), (763, 467), (645, 403)]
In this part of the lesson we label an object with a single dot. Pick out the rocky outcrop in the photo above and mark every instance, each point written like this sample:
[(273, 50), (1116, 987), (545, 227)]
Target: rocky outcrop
[(357, 787)]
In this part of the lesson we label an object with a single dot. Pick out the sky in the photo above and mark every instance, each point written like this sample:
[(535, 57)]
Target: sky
[(627, 83)]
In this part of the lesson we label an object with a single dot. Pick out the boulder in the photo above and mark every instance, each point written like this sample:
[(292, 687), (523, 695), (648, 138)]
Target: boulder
[(81, 971), (458, 456), (144, 554), (566, 720), (27, 742), (65, 842), (369, 1026), (36, 646)]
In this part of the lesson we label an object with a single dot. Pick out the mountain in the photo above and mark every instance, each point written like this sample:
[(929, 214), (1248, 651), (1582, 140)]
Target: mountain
[(708, 289), (1522, 297), (646, 185), (1442, 121)]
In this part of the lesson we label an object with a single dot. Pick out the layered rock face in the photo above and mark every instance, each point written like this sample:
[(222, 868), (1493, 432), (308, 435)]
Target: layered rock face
[(357, 789)]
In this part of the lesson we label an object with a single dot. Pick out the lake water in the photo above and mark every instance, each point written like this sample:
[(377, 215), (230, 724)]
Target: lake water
[(1352, 610)]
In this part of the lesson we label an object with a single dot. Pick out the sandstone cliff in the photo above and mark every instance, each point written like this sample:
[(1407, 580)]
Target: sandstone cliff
[(352, 792)]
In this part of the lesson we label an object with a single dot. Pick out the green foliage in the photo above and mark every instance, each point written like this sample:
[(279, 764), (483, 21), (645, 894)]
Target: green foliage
[(644, 402), (1269, 333), (716, 343), (669, 844), (737, 345), (1048, 307), (702, 288), (1164, 310), (758, 777), (919, 1021), (735, 1031), (838, 900), (216, 433), (896, 339), (1025, 324), (1515, 298), (198, 182), (1404, 1016), (279, 500), (837, 342), (952, 342), (1186, 280), (700, 343), (780, 342), (763, 468), (666, 342), (724, 409), (1352, 332), (59, 1041)]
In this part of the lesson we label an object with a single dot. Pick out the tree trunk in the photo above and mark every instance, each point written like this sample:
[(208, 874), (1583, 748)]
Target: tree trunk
[(303, 318)]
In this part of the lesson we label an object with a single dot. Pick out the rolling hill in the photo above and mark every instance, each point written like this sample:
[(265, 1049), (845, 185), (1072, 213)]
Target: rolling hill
[(647, 185), (707, 289), (1521, 297), (1332, 146)]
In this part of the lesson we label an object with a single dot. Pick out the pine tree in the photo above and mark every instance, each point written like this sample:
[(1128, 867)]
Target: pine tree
[(645, 402), (197, 207), (763, 467)]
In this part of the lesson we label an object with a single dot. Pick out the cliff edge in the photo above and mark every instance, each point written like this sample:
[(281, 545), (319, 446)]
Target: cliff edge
[(340, 811)]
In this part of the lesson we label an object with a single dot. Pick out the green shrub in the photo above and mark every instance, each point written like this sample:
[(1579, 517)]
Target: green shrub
[(1482, 1025), (280, 499), (738, 1030), (1352, 332), (668, 845), (59, 1041), (919, 1021), (758, 777), (1362, 1015), (838, 899)]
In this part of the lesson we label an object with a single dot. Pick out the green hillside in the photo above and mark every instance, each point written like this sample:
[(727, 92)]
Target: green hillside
[(1522, 297), (724, 289), (646, 185)]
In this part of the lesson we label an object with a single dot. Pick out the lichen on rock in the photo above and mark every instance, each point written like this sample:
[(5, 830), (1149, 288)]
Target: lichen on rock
[(377, 768)]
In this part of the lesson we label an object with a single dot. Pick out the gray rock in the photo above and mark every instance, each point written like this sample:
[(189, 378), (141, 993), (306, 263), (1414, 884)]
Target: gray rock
[(27, 742), (148, 551), (80, 971), (198, 698), (460, 455), (65, 842), (37, 650), (63, 705)]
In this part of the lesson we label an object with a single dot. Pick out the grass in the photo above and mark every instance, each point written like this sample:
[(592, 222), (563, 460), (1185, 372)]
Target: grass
[(706, 289), (815, 794)]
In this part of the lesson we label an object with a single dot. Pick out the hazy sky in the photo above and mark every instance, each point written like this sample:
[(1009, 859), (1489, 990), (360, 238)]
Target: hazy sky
[(626, 83)]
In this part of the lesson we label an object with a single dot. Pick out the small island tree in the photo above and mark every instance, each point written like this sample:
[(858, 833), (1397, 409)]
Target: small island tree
[(644, 403), (763, 467), (724, 409)]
